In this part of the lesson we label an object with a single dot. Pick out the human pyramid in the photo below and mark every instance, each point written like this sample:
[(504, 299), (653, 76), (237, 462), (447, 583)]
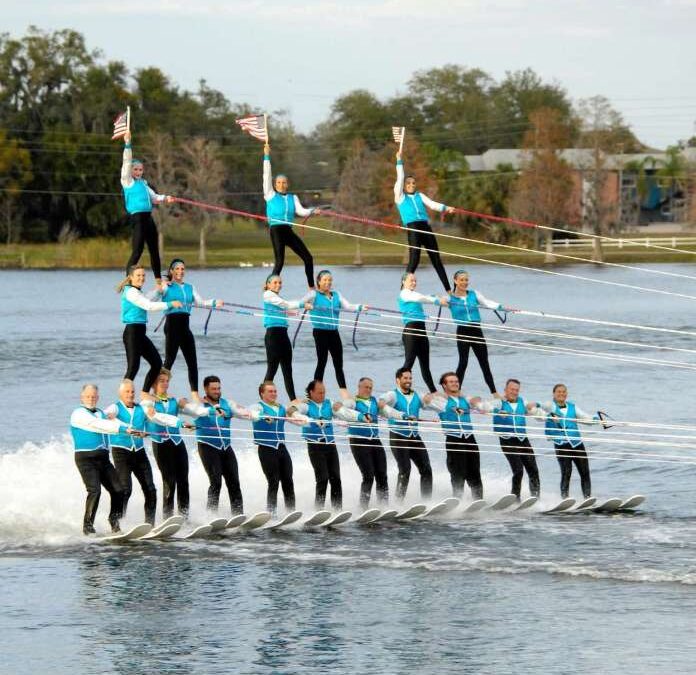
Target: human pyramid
[(117, 433)]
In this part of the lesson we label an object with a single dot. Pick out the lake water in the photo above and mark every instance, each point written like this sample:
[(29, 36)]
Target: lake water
[(506, 593)]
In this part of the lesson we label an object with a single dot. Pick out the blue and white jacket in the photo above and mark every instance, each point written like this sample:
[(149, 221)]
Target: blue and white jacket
[(281, 209), (137, 419), (562, 423), (326, 309), (90, 429), (214, 429), (411, 305), (268, 423), (137, 194), (135, 305), (465, 308), (454, 413), (405, 405), (275, 309)]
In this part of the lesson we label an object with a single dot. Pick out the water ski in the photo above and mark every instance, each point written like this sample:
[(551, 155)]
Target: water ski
[(609, 506), (254, 522), (585, 504), (218, 524), (527, 503), (134, 533), (386, 516), (442, 508), (632, 503), (412, 512), (338, 519), (476, 506), (235, 521), (367, 517), (286, 520), (172, 520), (317, 518), (503, 503), (198, 533), (162, 532), (562, 506)]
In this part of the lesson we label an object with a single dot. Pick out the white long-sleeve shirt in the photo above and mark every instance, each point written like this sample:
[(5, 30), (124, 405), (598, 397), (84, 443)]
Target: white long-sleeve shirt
[(82, 418), (269, 191), (127, 175), (198, 299), (414, 296), (139, 299), (385, 411), (310, 296), (273, 298), (399, 195), (163, 419)]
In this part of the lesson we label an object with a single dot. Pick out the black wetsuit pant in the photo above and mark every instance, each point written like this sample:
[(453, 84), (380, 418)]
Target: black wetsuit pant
[(372, 461), (329, 342), (138, 345), (282, 236), (276, 464), (407, 449), (144, 232), (96, 470), (417, 346), (520, 456), (471, 337), (179, 336), (219, 464), (279, 353), (136, 462), (464, 465), (420, 234), (172, 460), (567, 455), (327, 470)]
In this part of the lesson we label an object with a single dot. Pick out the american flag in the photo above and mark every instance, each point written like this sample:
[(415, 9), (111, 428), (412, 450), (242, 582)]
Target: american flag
[(398, 133), (255, 125), (121, 124)]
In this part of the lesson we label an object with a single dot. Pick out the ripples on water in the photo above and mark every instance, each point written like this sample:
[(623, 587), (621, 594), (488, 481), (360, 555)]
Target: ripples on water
[(495, 594)]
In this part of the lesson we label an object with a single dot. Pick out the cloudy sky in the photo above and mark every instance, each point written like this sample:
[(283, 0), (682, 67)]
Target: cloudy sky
[(301, 54)]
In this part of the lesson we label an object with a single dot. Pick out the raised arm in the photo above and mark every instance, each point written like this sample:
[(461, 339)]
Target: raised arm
[(399, 184), (138, 298), (268, 191), (275, 299), (415, 296), (127, 165)]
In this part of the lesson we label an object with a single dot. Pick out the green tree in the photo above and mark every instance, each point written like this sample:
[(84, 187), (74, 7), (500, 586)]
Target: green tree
[(15, 173)]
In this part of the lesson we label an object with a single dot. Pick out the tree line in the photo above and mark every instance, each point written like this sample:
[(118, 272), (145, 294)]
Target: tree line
[(59, 169)]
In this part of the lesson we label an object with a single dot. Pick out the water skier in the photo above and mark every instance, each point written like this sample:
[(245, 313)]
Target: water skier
[(89, 427), (463, 458)]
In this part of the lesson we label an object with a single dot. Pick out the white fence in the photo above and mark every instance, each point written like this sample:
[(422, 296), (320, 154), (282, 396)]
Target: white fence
[(632, 242)]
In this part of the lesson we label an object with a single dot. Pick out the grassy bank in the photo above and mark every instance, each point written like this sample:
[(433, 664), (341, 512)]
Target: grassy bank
[(245, 243)]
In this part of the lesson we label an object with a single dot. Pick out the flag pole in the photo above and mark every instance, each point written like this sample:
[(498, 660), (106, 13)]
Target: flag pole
[(265, 128), (128, 118), (401, 142)]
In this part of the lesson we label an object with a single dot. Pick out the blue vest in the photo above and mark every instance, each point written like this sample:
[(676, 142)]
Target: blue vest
[(326, 311), (366, 407), (214, 430), (454, 423), (280, 209), (411, 311), (465, 309), (313, 432), (87, 441), (137, 197), (136, 418), (159, 433), (270, 434), (514, 423), (183, 293), (412, 209), (131, 313), (566, 429), (404, 427), (274, 317)]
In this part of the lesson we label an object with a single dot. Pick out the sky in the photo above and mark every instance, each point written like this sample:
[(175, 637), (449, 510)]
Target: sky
[(300, 55)]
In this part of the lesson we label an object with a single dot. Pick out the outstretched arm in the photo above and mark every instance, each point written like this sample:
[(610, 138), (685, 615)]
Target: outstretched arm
[(138, 298), (399, 185)]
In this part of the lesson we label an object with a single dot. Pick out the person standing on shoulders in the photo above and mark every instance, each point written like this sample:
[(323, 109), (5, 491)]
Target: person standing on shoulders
[(90, 429), (139, 198), (413, 207), (281, 209)]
